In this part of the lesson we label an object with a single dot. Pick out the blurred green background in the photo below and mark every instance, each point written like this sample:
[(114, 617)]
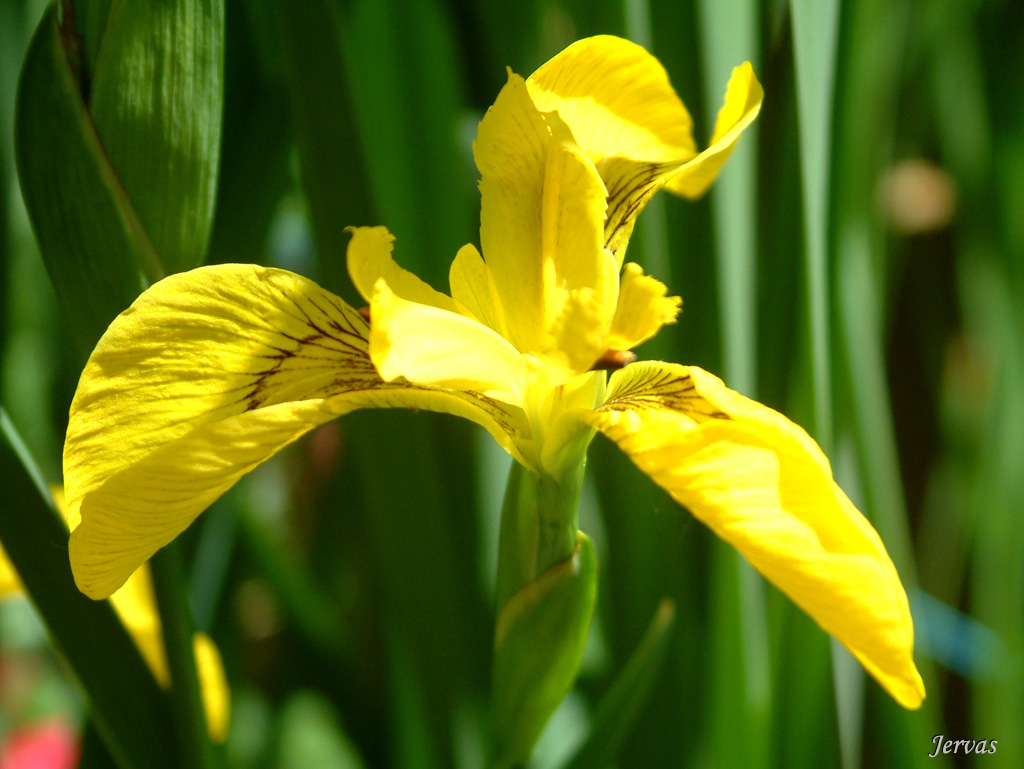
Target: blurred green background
[(859, 266)]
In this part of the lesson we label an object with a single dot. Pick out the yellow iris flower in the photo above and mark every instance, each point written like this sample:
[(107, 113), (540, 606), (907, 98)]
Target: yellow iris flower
[(135, 604), (212, 371)]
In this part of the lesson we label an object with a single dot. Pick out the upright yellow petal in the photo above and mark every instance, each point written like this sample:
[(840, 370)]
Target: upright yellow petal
[(572, 224), (617, 100), (761, 484), (579, 334), (542, 213), (208, 374), (511, 153)]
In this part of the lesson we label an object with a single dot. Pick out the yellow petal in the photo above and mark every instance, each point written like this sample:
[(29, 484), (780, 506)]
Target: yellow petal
[(10, 582), (511, 152), (761, 484), (572, 216), (579, 334), (631, 184), (207, 375), (473, 288), (214, 685), (642, 309), (542, 211), (369, 259), (617, 100), (742, 103), (434, 347)]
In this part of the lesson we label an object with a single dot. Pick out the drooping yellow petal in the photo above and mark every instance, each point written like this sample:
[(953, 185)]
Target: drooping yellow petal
[(643, 308), (542, 211), (761, 484), (617, 100), (369, 260), (742, 103), (434, 347), (207, 375)]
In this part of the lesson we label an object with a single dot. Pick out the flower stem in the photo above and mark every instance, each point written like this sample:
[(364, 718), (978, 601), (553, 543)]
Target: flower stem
[(539, 520), (176, 624)]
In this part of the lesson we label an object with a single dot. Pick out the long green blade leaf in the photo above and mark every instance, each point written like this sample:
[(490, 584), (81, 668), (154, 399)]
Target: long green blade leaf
[(815, 27), (90, 238), (741, 683), (618, 710), (157, 100), (815, 35), (128, 707)]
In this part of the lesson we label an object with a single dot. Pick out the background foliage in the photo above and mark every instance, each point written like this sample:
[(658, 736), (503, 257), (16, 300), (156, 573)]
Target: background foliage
[(859, 266)]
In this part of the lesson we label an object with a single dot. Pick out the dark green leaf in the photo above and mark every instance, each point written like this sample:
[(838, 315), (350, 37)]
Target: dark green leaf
[(330, 155), (156, 99), (88, 233), (618, 709), (128, 707)]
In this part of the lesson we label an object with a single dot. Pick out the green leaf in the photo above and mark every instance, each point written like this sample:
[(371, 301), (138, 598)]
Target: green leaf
[(624, 701), (403, 60), (815, 31), (815, 35), (538, 645), (257, 124), (740, 694), (303, 597), (90, 238), (400, 489), (157, 99), (330, 156), (128, 708)]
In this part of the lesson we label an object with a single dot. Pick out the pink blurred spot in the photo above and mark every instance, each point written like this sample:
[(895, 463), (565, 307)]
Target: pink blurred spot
[(49, 745)]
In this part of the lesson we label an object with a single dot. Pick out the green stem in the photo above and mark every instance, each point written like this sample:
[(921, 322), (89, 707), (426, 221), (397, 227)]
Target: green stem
[(539, 521), (176, 624)]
